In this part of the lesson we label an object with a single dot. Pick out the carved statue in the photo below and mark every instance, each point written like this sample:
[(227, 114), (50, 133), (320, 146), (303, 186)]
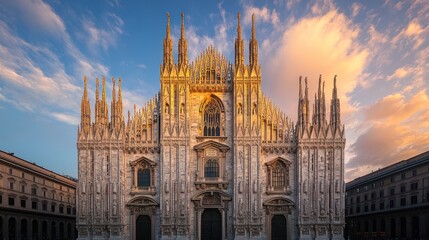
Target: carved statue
[(167, 208), (240, 207), (115, 210)]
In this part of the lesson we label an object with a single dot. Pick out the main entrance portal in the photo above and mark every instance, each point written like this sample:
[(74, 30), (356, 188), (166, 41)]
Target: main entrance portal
[(211, 224), (143, 228), (278, 228)]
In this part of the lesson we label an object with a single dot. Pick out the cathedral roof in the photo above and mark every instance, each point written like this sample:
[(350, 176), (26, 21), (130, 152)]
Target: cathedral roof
[(210, 67)]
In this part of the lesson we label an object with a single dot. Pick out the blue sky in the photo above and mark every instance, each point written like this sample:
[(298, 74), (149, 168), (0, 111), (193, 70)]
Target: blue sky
[(378, 49)]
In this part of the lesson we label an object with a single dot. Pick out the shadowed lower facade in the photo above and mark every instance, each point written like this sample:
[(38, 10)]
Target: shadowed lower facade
[(210, 157)]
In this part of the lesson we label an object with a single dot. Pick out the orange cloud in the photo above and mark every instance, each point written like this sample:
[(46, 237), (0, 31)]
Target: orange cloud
[(396, 129), (326, 45)]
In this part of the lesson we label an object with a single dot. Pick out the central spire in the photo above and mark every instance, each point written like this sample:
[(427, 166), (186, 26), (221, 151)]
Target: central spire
[(239, 47), (183, 45), (168, 46), (253, 45)]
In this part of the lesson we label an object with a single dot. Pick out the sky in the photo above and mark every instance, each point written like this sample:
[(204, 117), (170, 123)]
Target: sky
[(379, 51)]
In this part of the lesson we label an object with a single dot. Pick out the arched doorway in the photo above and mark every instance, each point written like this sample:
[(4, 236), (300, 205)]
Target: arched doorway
[(34, 230), (211, 224), (143, 228), (24, 229), (278, 227), (12, 228)]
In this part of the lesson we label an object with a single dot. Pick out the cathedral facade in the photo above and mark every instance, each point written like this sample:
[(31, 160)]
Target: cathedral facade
[(210, 157)]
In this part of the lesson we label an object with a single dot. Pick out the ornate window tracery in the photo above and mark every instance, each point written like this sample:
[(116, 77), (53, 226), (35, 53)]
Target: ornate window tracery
[(278, 176), (212, 119)]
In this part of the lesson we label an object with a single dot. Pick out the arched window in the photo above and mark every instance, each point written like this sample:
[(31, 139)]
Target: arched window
[(211, 169), (278, 177), (212, 119), (12, 228), (24, 228), (143, 178)]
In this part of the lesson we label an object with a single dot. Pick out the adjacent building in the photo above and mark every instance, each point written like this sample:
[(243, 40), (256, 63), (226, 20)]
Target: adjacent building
[(390, 203), (210, 156), (35, 203)]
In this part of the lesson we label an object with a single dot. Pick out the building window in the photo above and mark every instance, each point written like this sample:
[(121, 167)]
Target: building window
[(392, 191), (278, 175), (34, 205), (143, 171), (351, 210), (11, 201), (61, 209), (212, 119), (366, 208), (414, 186), (22, 175), (358, 199), (403, 201), (11, 185), (373, 196), (358, 209), (373, 207), (366, 197), (381, 193), (392, 203), (211, 169), (402, 188), (33, 191), (381, 205), (45, 206), (23, 188), (143, 178), (68, 210), (23, 203), (414, 199), (53, 208), (1, 199)]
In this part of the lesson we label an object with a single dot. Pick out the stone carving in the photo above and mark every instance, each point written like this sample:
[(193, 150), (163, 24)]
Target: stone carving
[(167, 208), (322, 205), (240, 207)]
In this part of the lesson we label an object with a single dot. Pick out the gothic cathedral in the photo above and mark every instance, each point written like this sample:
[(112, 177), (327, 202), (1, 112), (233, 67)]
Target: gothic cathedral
[(210, 157)]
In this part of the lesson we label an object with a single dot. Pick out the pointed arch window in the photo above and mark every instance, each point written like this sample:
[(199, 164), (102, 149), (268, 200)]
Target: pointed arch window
[(212, 119), (278, 176), (211, 169)]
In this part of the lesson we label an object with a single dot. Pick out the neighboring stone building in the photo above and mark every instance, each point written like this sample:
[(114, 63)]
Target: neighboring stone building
[(390, 203), (35, 203), (210, 157)]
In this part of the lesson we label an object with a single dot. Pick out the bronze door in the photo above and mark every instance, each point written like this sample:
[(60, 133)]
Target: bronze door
[(278, 228), (211, 224), (143, 228)]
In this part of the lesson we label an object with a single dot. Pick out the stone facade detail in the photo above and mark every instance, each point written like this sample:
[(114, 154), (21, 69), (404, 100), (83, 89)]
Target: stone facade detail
[(210, 139)]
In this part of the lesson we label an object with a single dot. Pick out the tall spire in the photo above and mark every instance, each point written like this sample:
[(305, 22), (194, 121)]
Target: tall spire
[(335, 106), (168, 46), (113, 115), (183, 45), (85, 108), (97, 101), (303, 106), (103, 108), (320, 109), (119, 109), (253, 45), (239, 45)]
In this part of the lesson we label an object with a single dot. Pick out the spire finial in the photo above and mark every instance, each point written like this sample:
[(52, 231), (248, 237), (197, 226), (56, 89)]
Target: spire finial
[(306, 89), (182, 30), (97, 87), (168, 25), (320, 83), (103, 91), (334, 92), (300, 88), (238, 26), (253, 27), (85, 91)]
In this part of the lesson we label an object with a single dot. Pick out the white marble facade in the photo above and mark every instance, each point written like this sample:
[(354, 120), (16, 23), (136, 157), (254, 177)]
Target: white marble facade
[(210, 155)]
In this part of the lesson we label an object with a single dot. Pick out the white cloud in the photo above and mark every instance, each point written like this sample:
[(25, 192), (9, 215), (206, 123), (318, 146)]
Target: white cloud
[(103, 37), (261, 14), (36, 14), (67, 118)]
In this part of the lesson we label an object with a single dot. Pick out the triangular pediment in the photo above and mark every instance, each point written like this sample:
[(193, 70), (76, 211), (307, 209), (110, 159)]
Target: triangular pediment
[(143, 160), (213, 144)]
